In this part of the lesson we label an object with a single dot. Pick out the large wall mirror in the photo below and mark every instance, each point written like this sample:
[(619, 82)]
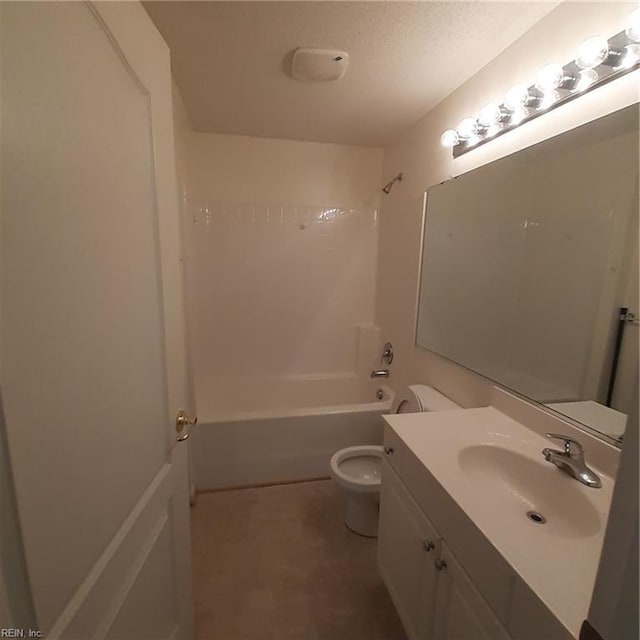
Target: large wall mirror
[(530, 272)]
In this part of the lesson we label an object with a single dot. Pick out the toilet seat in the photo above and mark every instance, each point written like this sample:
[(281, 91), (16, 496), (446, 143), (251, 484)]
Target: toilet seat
[(358, 468)]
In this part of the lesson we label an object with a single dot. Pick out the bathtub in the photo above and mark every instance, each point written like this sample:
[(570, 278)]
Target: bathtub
[(253, 432)]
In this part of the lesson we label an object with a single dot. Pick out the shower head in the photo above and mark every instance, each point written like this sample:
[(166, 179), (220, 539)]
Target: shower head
[(387, 187)]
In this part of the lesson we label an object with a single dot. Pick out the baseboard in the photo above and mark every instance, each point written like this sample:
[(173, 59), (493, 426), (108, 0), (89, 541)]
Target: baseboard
[(259, 485)]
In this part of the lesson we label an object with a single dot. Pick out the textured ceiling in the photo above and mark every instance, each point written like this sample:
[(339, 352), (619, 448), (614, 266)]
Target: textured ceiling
[(230, 59)]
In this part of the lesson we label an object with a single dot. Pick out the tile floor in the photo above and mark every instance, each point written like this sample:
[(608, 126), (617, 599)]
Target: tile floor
[(277, 563)]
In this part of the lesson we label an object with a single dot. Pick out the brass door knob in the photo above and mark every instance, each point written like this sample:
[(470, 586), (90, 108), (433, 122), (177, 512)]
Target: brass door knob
[(183, 422)]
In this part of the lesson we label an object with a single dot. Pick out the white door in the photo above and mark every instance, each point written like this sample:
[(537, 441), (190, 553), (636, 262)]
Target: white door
[(93, 365)]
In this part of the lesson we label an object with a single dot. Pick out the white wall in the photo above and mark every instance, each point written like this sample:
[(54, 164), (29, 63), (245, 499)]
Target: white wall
[(281, 242), (419, 155)]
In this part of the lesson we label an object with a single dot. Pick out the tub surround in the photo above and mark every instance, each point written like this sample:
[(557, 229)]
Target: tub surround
[(256, 398), (281, 244), (280, 258), (255, 394), (474, 474)]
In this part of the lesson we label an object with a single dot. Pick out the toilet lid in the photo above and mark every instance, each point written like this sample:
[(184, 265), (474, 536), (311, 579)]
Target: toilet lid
[(417, 398)]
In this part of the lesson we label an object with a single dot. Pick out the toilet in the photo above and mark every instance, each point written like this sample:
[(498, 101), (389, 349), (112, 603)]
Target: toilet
[(358, 470)]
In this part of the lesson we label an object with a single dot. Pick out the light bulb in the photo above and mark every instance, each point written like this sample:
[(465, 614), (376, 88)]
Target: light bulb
[(585, 79), (549, 77), (519, 115), (631, 56), (473, 140), (467, 128), (592, 52), (449, 138), (489, 115), (548, 98), (633, 26), (516, 97)]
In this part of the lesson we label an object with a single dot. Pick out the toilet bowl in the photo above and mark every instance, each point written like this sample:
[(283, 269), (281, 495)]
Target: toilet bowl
[(358, 470)]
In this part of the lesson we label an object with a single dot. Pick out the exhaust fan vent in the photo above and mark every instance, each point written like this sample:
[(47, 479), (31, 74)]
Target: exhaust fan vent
[(319, 65)]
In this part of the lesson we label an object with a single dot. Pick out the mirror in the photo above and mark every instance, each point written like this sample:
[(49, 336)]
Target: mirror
[(527, 263)]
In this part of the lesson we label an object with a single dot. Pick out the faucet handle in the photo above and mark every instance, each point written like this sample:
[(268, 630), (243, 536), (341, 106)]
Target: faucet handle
[(387, 354), (572, 447)]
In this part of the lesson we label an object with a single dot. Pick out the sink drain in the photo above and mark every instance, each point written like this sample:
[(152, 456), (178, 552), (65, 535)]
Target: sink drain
[(536, 517)]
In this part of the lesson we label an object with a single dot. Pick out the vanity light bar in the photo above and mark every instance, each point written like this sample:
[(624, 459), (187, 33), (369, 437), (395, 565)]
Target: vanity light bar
[(597, 62)]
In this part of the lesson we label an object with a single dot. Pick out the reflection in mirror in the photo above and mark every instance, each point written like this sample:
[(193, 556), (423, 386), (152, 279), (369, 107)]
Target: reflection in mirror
[(530, 272)]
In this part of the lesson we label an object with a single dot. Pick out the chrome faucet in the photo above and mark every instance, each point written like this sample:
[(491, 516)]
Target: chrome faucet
[(571, 460), (380, 373)]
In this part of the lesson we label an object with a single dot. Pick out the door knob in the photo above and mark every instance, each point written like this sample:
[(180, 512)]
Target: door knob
[(183, 422)]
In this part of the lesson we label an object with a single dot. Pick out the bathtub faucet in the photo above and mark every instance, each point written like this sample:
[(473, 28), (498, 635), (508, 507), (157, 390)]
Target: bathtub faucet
[(380, 373)]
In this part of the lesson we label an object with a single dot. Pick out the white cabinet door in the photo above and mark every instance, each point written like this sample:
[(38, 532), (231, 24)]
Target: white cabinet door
[(92, 350), (407, 547), (461, 613)]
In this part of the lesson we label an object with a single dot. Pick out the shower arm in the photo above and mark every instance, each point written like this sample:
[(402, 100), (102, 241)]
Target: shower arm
[(387, 187)]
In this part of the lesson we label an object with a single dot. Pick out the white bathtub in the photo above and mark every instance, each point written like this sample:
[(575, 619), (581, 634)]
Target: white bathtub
[(265, 431)]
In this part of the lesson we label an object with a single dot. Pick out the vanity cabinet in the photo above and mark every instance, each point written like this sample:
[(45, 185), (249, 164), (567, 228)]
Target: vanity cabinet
[(408, 545), (432, 593), (493, 580)]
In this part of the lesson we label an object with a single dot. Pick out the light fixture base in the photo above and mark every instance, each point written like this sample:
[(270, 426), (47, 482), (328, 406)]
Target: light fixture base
[(568, 90)]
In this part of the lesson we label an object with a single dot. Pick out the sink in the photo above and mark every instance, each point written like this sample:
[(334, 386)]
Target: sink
[(519, 484)]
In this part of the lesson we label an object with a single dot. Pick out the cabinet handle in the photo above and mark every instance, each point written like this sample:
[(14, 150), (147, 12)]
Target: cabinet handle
[(388, 450), (428, 545), (440, 564)]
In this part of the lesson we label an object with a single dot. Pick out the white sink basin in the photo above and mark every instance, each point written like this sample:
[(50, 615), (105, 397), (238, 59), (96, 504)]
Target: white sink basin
[(521, 485)]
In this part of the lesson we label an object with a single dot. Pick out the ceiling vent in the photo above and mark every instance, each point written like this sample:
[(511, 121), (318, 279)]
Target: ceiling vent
[(319, 65)]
